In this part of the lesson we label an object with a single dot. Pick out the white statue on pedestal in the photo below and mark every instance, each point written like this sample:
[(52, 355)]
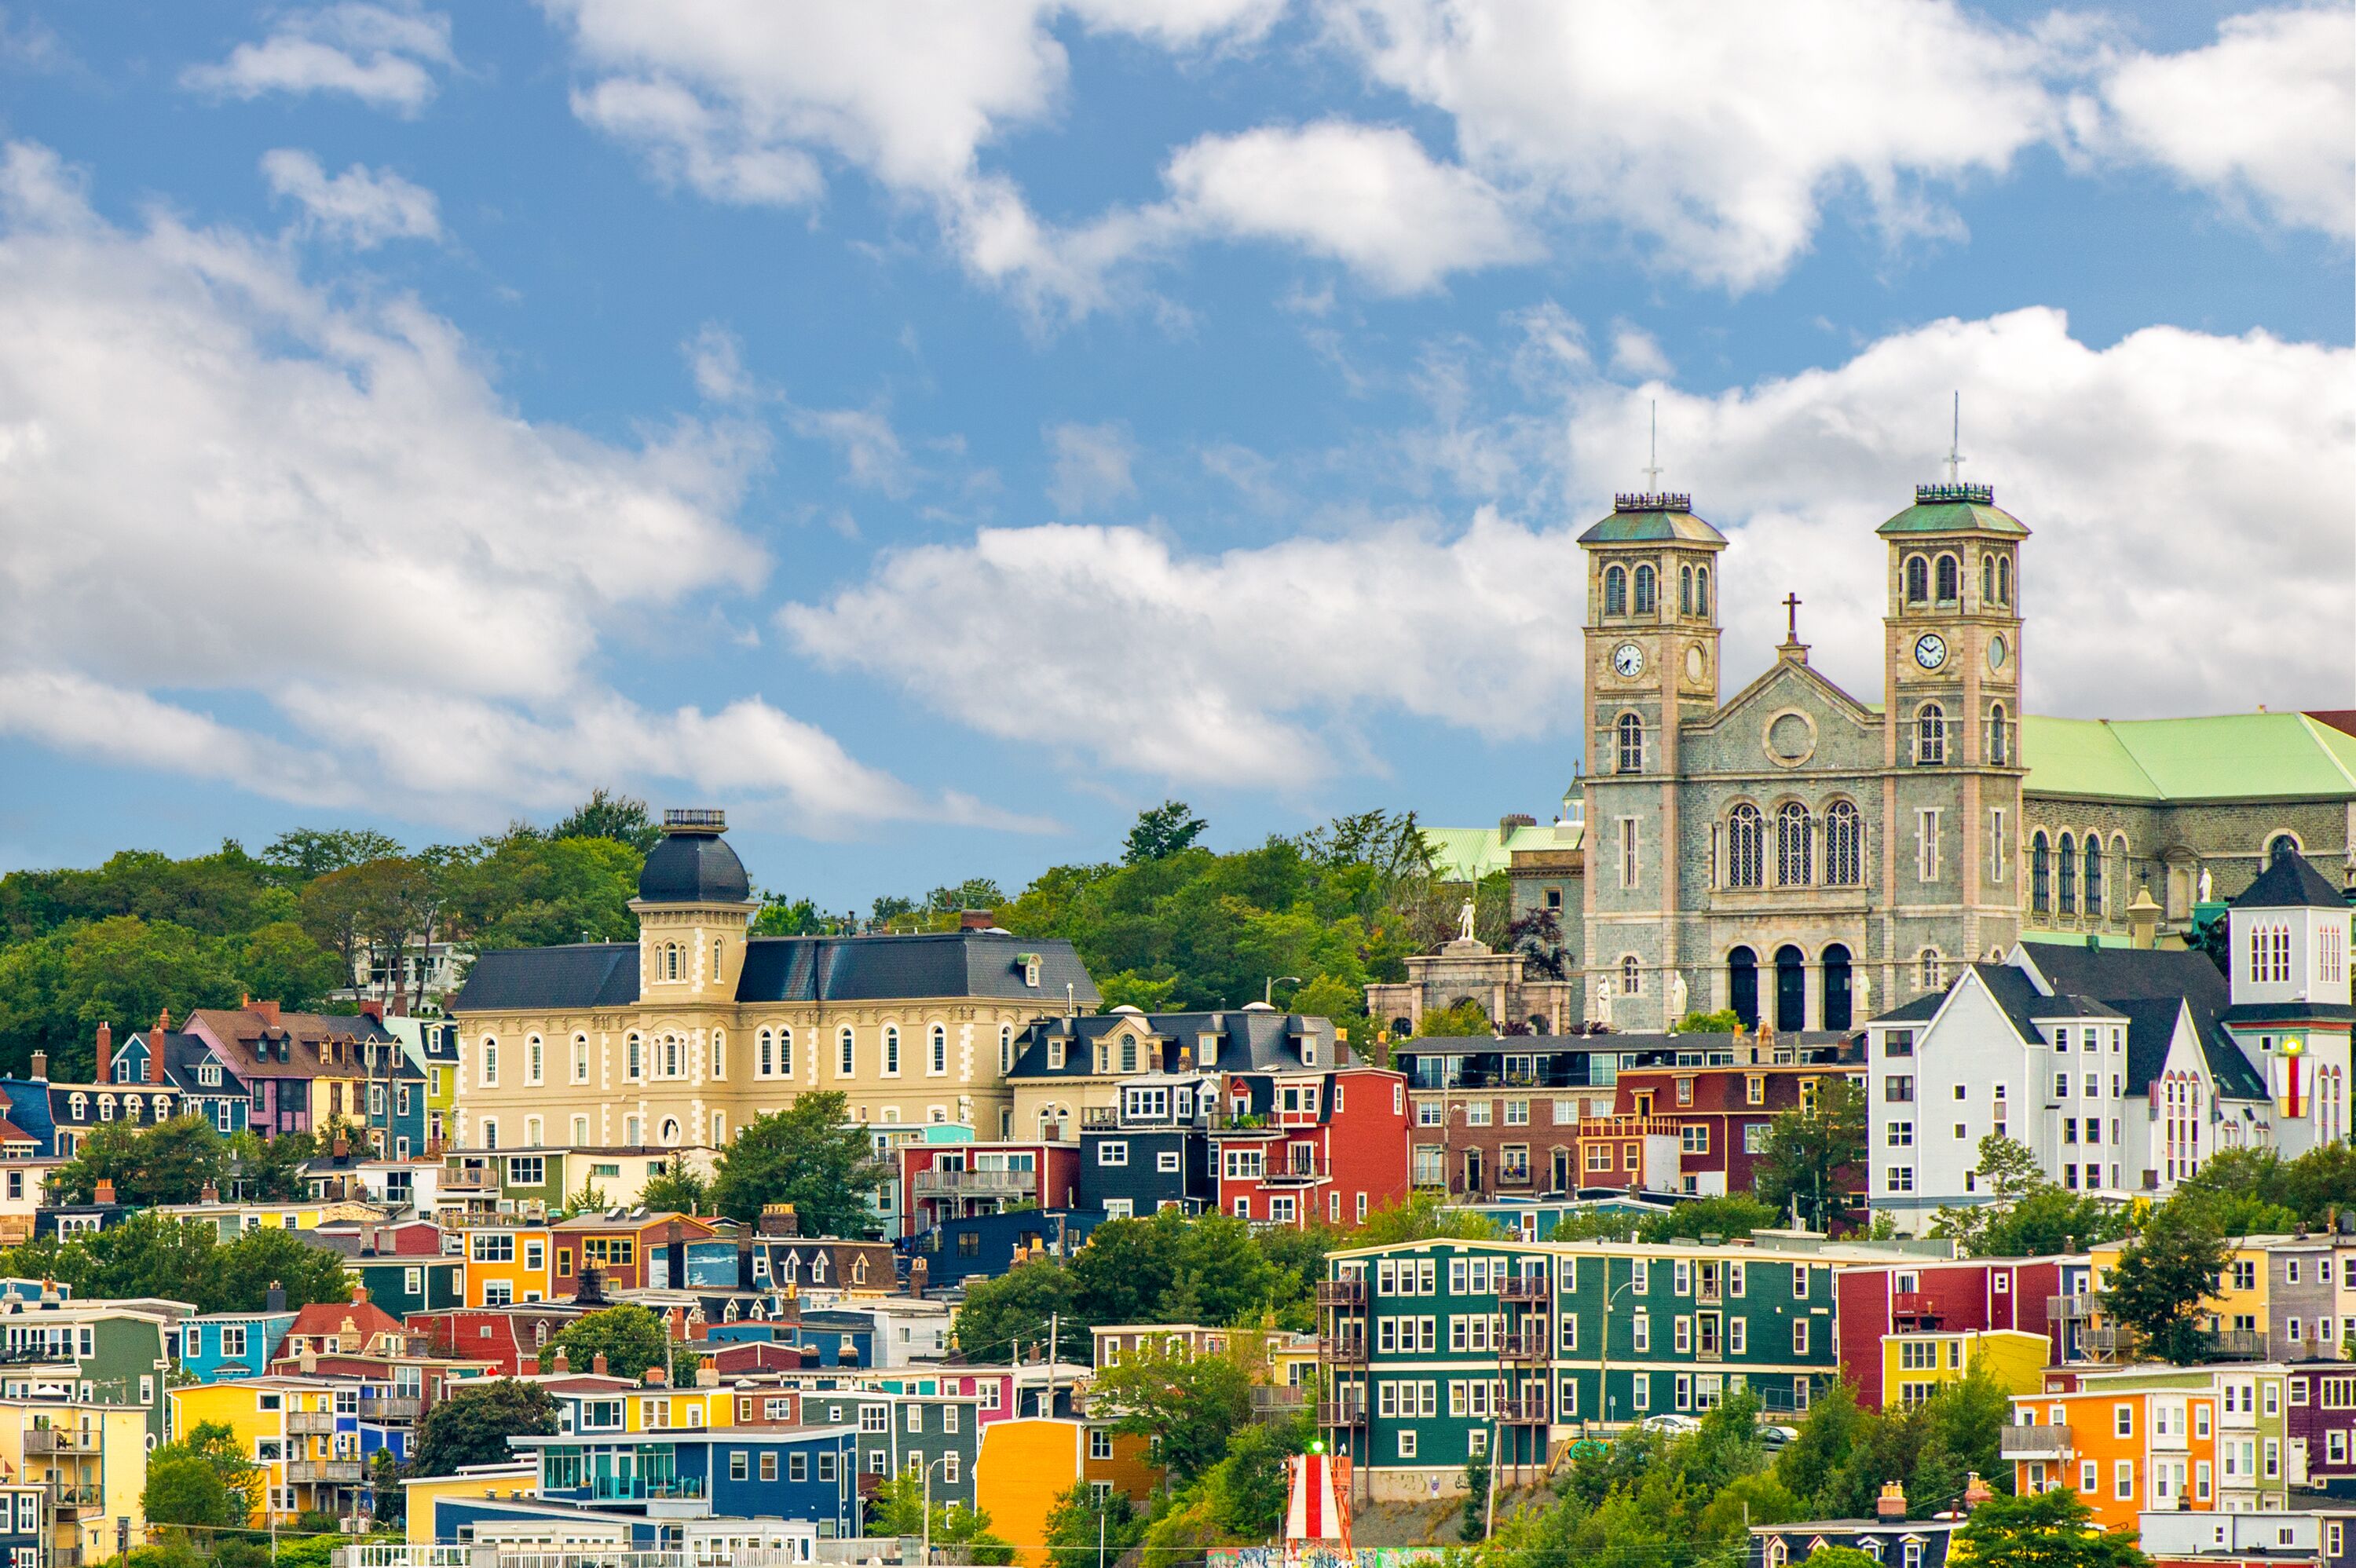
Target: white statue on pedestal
[(1599, 1002), (1677, 996), (1464, 922), (2207, 888), (1861, 989)]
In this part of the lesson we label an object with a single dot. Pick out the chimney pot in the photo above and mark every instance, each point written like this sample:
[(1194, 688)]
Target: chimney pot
[(560, 1364), (657, 1377), (106, 1053), (40, 1067), (597, 1364), (105, 1193), (1891, 1504)]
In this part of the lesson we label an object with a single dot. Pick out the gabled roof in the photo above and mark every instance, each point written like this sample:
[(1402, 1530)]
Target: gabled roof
[(1250, 1041), (240, 1034), (1469, 853), (1866, 715), (2129, 977), (2228, 756), (2290, 883)]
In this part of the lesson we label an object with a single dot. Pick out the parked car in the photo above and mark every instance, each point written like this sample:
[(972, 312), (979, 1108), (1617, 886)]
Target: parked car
[(1777, 1438), (1674, 1426)]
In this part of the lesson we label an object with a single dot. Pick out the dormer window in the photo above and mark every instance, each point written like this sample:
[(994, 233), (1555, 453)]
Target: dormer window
[(1206, 1050), (209, 1074), (1308, 1052), (1055, 1054), (1030, 962)]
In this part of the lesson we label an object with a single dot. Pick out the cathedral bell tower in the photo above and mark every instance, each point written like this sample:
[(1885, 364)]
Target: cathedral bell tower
[(1950, 717)]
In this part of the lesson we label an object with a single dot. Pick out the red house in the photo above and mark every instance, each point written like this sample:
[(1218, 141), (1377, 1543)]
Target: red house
[(1931, 1296), (956, 1181), (508, 1338), (1290, 1147), (1723, 1110)]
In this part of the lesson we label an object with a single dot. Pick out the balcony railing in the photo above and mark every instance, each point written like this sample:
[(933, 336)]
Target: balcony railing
[(1530, 1410), (976, 1183), (390, 1407), (1342, 1349), (2078, 1304), (1099, 1116), (1914, 1304), (310, 1423), (469, 1180), (72, 1502), (1295, 1175), (313, 1471), (2034, 1442), (1277, 1402), (2112, 1343), (1523, 1347), (1342, 1293), (1341, 1412), (2238, 1344), (638, 1489), (59, 1440), (1527, 1289)]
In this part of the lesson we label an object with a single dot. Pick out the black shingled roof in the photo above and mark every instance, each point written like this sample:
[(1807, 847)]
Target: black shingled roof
[(527, 979), (1250, 1039), (2126, 975), (2290, 883)]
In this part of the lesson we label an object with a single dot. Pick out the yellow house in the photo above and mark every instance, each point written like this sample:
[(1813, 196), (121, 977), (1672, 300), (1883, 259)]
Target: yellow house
[(233, 1220), (1916, 1366), (287, 1426), (2236, 1309), (664, 1409), (507, 1260), (90, 1463), (472, 1481)]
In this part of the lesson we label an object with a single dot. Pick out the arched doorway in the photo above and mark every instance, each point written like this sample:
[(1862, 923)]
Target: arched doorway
[(1791, 990), (1837, 1000), (1743, 986)]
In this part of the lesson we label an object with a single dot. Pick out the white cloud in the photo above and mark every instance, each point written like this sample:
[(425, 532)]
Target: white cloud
[(1368, 196), (1715, 131), (2268, 111), (872, 453), (219, 486), (1635, 352), (1092, 465), (382, 55), (363, 208), (2188, 494)]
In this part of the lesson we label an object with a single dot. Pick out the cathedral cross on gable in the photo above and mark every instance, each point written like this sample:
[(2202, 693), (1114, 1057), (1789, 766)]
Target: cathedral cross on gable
[(1792, 617)]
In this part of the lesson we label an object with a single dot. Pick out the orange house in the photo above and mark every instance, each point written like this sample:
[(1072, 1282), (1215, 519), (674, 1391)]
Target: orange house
[(2149, 1439), (624, 1244), (1026, 1464)]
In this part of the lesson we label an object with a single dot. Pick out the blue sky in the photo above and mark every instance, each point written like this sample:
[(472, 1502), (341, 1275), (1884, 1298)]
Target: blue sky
[(937, 432)]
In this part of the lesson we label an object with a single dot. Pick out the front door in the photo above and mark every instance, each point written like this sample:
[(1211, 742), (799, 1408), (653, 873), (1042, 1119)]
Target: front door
[(1473, 1181)]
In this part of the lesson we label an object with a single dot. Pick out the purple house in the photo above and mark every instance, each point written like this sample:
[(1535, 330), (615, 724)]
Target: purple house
[(2322, 1426)]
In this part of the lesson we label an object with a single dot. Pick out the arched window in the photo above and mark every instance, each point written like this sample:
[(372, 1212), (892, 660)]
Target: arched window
[(634, 1057), (533, 1054), (767, 1063), (890, 1050), (2094, 876), (1631, 976), (1951, 580), (1836, 995), (1791, 990), (1645, 605), (1615, 590), (2000, 744), (581, 1059), (1005, 1047), (1631, 744), (1742, 984), (533, 1131), (939, 1048), (2041, 875), (2066, 857), (1927, 969), (672, 1065), (1701, 591), (1918, 580), (2282, 847), (1843, 847), (1685, 590), (845, 1056), (1988, 580), (785, 1053), (719, 1053), (2003, 580), (1930, 735), (1794, 846), (1745, 847)]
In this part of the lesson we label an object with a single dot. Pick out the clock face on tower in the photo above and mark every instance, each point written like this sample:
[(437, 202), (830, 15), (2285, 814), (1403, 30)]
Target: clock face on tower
[(1930, 650), (1627, 661)]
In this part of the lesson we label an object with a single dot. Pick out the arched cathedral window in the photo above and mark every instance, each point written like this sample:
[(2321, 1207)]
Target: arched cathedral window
[(1927, 968), (1988, 580), (1701, 591), (1745, 857), (1844, 845), (1685, 590), (1999, 743), (1644, 602), (1930, 735), (2041, 874), (1632, 975), (2003, 580), (1793, 846), (1918, 580), (2094, 875), (1615, 590), (1631, 744), (1950, 586), (2065, 850)]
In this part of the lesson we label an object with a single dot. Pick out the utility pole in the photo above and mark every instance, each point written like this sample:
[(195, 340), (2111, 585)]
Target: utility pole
[(1100, 1532), (1054, 1327)]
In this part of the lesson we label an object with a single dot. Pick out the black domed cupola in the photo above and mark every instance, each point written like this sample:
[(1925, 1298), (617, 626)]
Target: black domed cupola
[(693, 864)]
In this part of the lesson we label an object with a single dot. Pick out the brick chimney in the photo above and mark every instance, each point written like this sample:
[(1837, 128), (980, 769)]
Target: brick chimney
[(268, 1010), (658, 1376), (1891, 1503), (559, 1362), (105, 1193), (976, 920), (1975, 1492), (106, 1053), (210, 1192), (156, 1046), (373, 1008), (597, 1364), (40, 1067)]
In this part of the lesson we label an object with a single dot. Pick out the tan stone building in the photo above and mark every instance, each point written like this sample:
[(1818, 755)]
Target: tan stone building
[(680, 1038)]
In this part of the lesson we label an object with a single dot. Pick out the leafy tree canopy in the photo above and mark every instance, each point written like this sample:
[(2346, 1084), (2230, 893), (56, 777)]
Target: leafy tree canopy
[(631, 1338), (807, 1155), (164, 1162), (1183, 1405), (471, 1424), (148, 1255), (1816, 1156), (2051, 1530), (1163, 831), (2166, 1275), (620, 818)]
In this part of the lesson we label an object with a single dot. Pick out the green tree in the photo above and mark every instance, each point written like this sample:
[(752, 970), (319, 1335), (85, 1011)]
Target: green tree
[(202, 1479), (304, 854), (525, 889), (271, 1170), (1421, 1217), (1083, 1532), (388, 1501), (631, 1338), (1729, 1215), (125, 970), (898, 1509), (1001, 1317), (1813, 1155), (807, 1155), (282, 961), (2027, 1214), (2163, 1278), (1726, 1020), (620, 818), (169, 1162), (783, 916), (471, 1424), (1185, 1405), (678, 1189), (1163, 831), (149, 1254), (1466, 1018), (1168, 1268), (2050, 1529), (244, 1270), (1840, 1557)]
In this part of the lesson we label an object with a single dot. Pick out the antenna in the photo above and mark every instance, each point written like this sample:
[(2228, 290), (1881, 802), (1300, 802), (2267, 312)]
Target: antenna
[(1955, 458), (1652, 470)]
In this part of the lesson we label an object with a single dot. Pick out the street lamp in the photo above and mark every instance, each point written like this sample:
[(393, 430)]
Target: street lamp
[(1268, 987), (1603, 1380), (925, 1554)]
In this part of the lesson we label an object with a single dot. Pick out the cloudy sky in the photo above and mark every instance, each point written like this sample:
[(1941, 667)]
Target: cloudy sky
[(935, 432)]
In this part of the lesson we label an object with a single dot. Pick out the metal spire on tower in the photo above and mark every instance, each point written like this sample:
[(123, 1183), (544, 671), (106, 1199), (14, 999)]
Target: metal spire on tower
[(1653, 469), (1955, 458)]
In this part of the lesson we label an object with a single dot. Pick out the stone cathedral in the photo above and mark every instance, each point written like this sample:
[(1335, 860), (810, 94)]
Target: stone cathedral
[(1809, 858)]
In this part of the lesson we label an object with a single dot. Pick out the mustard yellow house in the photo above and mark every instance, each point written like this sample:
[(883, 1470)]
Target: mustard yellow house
[(1916, 1366), (289, 1426), (91, 1462)]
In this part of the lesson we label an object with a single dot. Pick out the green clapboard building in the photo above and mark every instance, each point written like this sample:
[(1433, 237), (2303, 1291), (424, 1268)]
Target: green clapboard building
[(1439, 1351)]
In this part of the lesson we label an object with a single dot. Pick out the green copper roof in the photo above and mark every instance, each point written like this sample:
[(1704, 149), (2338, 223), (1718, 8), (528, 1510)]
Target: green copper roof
[(1469, 853), (1955, 509), (1652, 520), (2232, 756)]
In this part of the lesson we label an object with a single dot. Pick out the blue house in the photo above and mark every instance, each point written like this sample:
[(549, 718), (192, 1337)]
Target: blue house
[(206, 1087), (218, 1346), (988, 1244), (792, 1473)]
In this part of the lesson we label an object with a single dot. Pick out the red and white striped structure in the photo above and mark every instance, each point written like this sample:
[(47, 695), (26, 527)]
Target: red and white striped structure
[(1317, 1512)]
